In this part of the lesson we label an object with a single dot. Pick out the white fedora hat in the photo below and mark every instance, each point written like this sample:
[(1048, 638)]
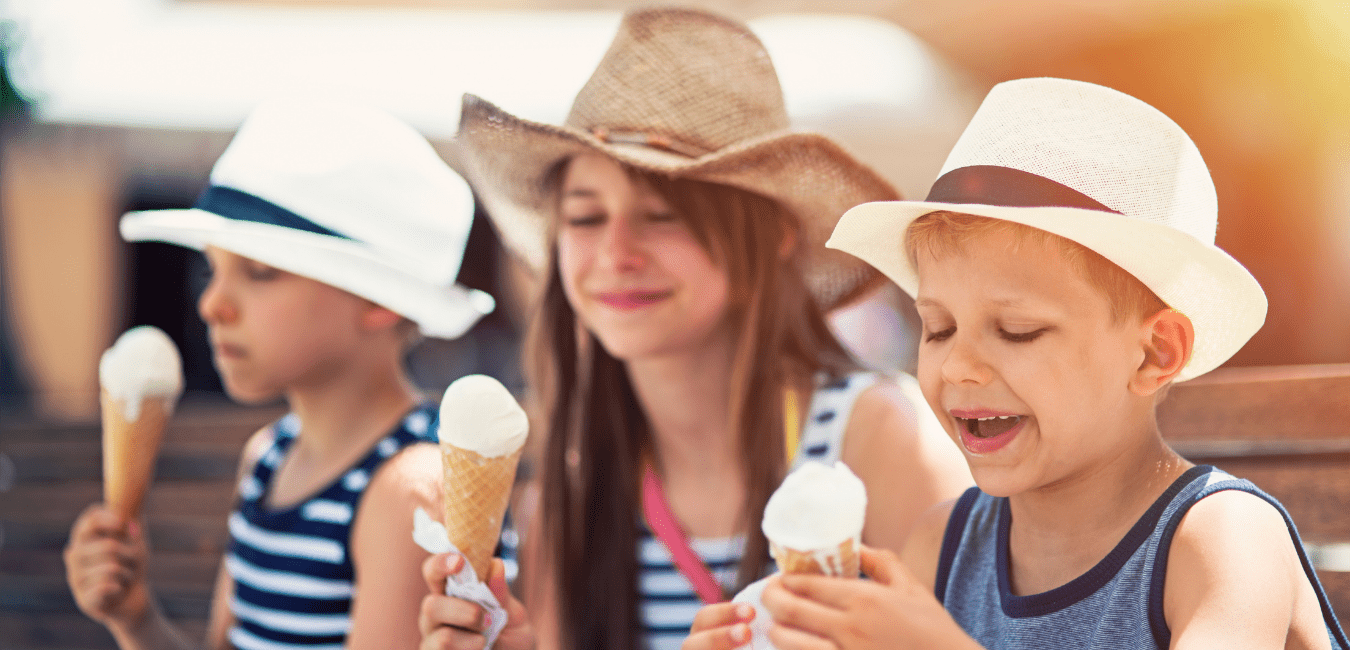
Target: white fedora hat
[(343, 194), (1098, 167)]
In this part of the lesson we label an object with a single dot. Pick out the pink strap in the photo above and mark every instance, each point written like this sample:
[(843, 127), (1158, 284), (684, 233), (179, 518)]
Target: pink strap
[(663, 523)]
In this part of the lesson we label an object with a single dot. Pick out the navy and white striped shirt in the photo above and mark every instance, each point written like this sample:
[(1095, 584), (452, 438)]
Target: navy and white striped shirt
[(293, 575)]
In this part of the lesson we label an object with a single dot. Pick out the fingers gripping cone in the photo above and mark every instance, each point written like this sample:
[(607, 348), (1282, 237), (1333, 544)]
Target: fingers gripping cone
[(814, 521), (140, 379), (482, 434)]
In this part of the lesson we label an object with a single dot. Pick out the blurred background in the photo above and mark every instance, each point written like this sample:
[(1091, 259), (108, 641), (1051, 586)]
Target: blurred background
[(117, 105)]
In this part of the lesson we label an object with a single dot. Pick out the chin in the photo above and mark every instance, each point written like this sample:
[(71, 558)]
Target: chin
[(250, 395), (998, 481)]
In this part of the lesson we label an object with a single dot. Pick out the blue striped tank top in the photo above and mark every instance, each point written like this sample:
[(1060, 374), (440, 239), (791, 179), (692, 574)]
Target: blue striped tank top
[(293, 575), (667, 599), (1116, 604)]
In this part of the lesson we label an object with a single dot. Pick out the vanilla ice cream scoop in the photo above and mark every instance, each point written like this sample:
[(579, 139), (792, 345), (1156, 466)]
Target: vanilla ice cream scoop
[(142, 363), (814, 519), (478, 414)]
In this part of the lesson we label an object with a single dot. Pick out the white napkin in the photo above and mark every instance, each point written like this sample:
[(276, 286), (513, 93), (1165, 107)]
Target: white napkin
[(759, 627), (431, 536)]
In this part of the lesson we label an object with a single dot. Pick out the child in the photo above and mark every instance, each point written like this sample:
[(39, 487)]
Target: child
[(1064, 269), (334, 234), (682, 359)]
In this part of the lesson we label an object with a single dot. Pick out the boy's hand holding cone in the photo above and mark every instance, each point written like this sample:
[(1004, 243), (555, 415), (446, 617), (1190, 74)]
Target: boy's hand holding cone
[(814, 524), (140, 379)]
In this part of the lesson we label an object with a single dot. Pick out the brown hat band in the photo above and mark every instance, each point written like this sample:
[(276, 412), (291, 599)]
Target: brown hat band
[(653, 140), (1008, 187)]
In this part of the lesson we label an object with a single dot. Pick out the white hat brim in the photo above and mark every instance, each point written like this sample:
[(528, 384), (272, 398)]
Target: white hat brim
[(1223, 301), (439, 311)]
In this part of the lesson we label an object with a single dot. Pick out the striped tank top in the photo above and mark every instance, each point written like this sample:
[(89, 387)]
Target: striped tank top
[(668, 601), (293, 575), (1116, 604)]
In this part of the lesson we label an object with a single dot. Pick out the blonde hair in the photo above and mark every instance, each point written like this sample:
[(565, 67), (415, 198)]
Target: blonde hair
[(944, 233)]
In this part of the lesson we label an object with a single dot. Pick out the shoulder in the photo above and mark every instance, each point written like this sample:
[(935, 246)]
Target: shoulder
[(892, 424), (884, 407), (256, 445), (412, 473), (923, 548), (408, 480), (1232, 564)]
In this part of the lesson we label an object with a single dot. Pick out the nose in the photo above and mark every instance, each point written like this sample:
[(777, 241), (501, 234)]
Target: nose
[(621, 245), (215, 306), (964, 364)]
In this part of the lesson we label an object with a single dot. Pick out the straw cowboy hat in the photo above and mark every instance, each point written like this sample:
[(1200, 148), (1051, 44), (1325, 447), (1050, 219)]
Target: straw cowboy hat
[(343, 194), (684, 93), (1101, 168)]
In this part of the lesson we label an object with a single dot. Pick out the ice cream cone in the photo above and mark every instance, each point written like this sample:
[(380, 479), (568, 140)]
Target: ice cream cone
[(840, 561), (476, 493), (130, 446)]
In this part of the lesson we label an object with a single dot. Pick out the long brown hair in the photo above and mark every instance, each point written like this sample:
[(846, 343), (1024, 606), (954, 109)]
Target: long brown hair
[(597, 432)]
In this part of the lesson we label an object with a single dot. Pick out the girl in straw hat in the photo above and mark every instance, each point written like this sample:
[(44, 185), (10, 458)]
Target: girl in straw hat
[(681, 354), (334, 234)]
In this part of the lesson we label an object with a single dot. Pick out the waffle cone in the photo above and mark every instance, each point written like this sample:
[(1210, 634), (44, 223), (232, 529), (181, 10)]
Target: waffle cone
[(842, 560), (476, 492), (129, 451)]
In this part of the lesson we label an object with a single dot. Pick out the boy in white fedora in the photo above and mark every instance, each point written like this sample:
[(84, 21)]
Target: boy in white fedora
[(334, 234), (1064, 268)]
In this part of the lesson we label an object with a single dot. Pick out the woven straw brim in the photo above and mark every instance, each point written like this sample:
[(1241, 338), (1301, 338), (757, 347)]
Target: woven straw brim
[(506, 159), (1224, 302), (439, 311)]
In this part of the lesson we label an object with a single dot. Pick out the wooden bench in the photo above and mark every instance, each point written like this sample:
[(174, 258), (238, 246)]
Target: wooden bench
[(57, 471), (1285, 429)]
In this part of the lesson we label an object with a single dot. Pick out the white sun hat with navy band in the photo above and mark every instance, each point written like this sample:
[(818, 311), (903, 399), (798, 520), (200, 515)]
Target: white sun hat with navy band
[(343, 194), (1098, 167)]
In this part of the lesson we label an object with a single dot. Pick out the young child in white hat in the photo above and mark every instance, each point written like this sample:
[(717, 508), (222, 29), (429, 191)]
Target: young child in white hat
[(1066, 275), (334, 234)]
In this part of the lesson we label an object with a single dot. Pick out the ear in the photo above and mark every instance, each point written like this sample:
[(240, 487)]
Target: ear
[(1168, 338), (375, 317)]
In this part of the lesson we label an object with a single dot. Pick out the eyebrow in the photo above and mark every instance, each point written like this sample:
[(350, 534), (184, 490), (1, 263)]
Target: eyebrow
[(580, 192)]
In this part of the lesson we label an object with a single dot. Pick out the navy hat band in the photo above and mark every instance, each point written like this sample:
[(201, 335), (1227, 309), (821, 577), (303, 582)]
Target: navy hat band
[(242, 206), (1008, 187)]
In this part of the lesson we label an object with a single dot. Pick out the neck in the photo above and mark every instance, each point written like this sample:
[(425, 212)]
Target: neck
[(1096, 506), (353, 406), (686, 398)]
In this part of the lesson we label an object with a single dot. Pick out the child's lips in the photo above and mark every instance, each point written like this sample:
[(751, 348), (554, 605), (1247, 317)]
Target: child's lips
[(228, 350), (632, 299)]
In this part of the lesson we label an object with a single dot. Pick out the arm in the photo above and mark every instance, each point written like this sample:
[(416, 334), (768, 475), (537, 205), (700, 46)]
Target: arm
[(1234, 579), (894, 609), (105, 568), (905, 460), (388, 564)]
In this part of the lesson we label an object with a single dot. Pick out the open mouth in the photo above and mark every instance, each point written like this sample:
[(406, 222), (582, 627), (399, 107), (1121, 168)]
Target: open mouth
[(990, 427)]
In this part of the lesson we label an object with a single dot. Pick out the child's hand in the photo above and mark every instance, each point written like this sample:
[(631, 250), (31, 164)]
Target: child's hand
[(105, 568), (451, 623), (889, 611), (721, 626)]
